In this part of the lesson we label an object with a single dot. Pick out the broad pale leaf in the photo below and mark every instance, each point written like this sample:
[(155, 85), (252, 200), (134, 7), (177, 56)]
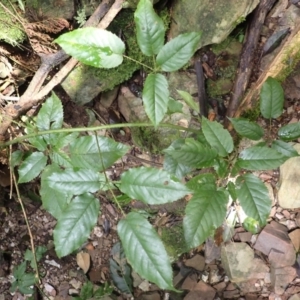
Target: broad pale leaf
[(50, 116), (260, 158), (150, 28), (145, 251), (284, 148), (174, 106), (271, 99), (217, 137), (289, 132), (152, 186), (202, 182), (177, 52), (84, 152), (93, 46), (75, 224), (77, 181), (54, 201), (254, 197), (193, 154), (247, 129), (32, 166), (156, 97), (204, 213), (189, 100)]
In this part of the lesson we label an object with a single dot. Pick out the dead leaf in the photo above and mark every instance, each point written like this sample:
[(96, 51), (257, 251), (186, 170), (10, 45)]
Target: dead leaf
[(83, 261)]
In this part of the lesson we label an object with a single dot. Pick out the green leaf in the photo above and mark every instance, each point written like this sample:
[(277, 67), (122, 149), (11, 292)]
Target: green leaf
[(260, 158), (156, 97), (284, 148), (177, 52), (16, 158), (247, 129), (189, 100), (193, 154), (271, 99), (202, 182), (77, 181), (150, 28), (217, 137), (254, 197), (61, 158), (173, 166), (145, 251), (152, 186), (93, 46), (84, 152), (221, 167), (54, 201), (75, 224), (32, 167), (174, 106), (289, 132), (204, 213), (87, 290), (232, 191)]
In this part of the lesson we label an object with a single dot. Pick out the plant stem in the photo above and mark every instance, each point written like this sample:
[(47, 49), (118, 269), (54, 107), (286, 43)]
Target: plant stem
[(94, 128), (138, 62)]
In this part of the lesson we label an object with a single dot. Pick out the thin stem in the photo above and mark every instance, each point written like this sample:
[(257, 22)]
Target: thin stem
[(138, 62), (106, 178), (94, 128)]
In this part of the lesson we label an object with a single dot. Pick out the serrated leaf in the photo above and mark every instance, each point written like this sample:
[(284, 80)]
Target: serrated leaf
[(93, 46), (156, 97), (16, 158), (217, 137), (152, 186), (84, 152), (189, 100), (75, 224), (221, 167), (54, 201), (61, 158), (289, 132), (232, 191), (247, 129), (174, 106), (64, 139), (32, 166), (284, 148), (260, 158), (193, 154), (177, 52), (77, 181), (204, 213), (150, 28), (145, 251), (271, 99), (254, 197)]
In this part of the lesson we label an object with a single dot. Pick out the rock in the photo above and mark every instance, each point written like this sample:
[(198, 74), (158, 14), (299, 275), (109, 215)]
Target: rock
[(150, 296), (212, 251), (207, 292), (295, 238), (289, 191), (190, 282), (216, 19), (197, 262), (274, 241), (281, 278), (295, 297), (239, 263), (245, 236)]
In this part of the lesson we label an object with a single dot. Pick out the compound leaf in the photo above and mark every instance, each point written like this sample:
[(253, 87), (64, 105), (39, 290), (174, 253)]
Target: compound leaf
[(150, 28), (177, 52), (204, 213), (254, 197), (156, 97), (32, 166), (75, 224), (271, 99), (84, 152), (145, 251), (152, 186), (93, 46), (217, 137), (260, 158), (247, 129)]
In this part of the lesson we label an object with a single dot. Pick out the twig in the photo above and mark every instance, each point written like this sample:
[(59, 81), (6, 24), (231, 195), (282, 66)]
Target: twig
[(247, 56), (201, 89), (33, 94)]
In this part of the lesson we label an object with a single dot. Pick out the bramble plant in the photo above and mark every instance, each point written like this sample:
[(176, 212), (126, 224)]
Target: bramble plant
[(72, 167)]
